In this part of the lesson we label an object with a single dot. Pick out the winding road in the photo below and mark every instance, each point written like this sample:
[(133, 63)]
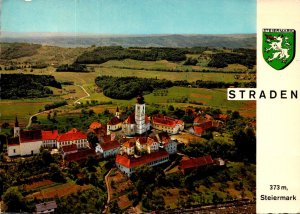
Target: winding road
[(85, 91)]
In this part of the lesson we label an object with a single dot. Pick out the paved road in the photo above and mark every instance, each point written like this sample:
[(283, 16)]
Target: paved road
[(30, 119)]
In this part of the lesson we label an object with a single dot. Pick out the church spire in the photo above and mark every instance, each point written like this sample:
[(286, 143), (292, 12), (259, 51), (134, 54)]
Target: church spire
[(16, 122)]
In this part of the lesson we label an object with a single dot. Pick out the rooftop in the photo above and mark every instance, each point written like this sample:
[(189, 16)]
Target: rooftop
[(50, 135), (95, 125), (73, 134), (70, 148), (80, 155), (131, 162), (30, 136), (110, 145), (196, 162), (45, 206)]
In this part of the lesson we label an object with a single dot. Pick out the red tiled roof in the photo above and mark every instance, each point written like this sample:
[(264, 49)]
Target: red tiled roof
[(208, 117), (147, 119), (198, 130), (142, 140), (130, 119), (131, 162), (164, 120), (221, 116), (69, 148), (114, 121), (30, 136), (95, 125), (199, 119), (73, 134), (50, 135), (206, 125), (164, 137), (196, 162), (14, 141), (110, 145), (130, 143), (80, 155)]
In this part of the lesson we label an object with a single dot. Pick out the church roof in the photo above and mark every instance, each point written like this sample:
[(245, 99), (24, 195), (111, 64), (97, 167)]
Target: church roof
[(114, 121), (30, 136)]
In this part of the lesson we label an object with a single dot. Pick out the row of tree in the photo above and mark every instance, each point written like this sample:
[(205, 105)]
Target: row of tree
[(103, 54), (15, 86)]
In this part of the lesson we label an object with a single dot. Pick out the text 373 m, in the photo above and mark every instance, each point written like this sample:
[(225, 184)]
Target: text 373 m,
[(278, 187)]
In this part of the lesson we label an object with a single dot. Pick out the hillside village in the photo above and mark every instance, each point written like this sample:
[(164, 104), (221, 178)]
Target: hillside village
[(130, 143), (135, 141)]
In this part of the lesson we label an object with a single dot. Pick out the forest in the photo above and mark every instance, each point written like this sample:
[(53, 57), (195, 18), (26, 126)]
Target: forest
[(130, 87), (103, 54), (15, 86), (221, 60)]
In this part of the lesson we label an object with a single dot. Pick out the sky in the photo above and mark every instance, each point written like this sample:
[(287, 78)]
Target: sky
[(129, 16)]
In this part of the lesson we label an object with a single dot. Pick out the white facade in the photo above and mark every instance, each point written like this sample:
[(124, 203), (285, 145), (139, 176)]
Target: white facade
[(128, 129), (49, 143), (81, 143), (13, 150), (30, 148), (171, 147), (140, 118), (152, 147)]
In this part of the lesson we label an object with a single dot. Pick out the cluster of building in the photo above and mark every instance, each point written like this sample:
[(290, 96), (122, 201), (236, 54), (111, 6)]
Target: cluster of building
[(204, 123), (128, 139), (73, 143)]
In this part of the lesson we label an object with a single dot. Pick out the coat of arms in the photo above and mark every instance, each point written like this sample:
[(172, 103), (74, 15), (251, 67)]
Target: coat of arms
[(279, 47)]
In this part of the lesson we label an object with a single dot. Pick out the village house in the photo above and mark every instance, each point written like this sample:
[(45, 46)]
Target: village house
[(80, 155), (98, 129), (46, 207), (73, 136), (128, 146), (187, 164), (108, 146), (50, 139), (69, 149), (165, 141), (167, 124)]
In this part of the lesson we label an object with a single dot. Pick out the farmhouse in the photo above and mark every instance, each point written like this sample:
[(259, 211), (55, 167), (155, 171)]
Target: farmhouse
[(73, 136), (108, 148), (167, 124), (195, 163)]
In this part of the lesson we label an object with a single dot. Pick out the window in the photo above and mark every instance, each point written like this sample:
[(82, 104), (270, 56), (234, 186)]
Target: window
[(14, 150)]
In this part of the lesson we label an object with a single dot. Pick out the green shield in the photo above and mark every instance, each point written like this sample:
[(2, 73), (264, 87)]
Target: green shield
[(279, 47)]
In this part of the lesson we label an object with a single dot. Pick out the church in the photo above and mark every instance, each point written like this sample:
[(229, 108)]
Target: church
[(138, 122)]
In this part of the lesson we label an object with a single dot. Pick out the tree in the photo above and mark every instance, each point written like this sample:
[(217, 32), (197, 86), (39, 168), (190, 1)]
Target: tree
[(93, 139), (5, 125), (56, 173), (13, 200), (34, 119), (46, 157)]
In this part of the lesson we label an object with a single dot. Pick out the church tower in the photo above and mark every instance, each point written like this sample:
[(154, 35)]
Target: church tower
[(16, 128), (140, 115), (117, 113)]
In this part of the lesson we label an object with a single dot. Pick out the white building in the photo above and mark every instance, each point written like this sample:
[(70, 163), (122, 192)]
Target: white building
[(73, 136), (108, 149), (128, 164), (138, 122), (27, 143), (50, 138), (167, 124)]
